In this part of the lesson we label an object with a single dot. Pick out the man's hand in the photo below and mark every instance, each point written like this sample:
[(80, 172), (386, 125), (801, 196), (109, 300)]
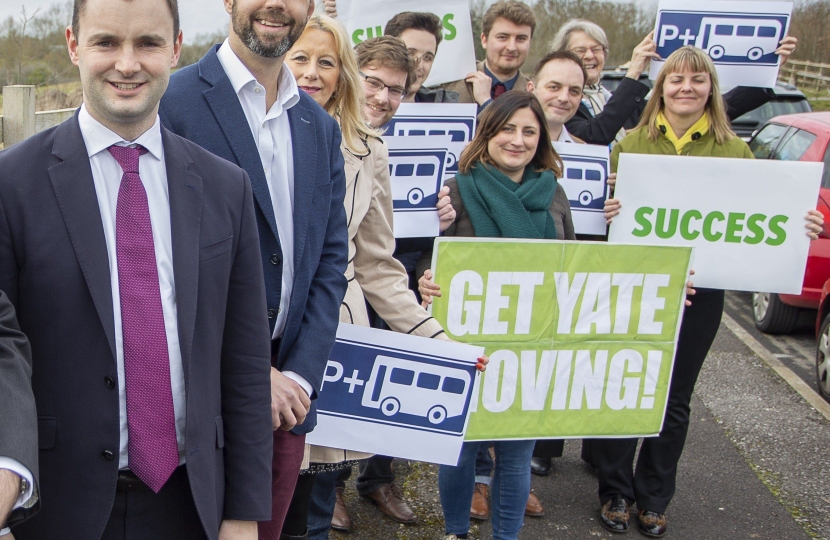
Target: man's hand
[(237, 530), (446, 213), (289, 402), (9, 493), (482, 84)]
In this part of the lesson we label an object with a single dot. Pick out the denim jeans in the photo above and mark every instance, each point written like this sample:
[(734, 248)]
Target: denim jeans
[(509, 490), (484, 464), (321, 506)]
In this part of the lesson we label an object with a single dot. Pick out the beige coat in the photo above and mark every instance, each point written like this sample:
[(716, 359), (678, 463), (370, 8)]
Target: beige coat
[(465, 89), (373, 273)]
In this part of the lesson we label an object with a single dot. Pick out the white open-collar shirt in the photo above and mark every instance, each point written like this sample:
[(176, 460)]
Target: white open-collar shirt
[(272, 133)]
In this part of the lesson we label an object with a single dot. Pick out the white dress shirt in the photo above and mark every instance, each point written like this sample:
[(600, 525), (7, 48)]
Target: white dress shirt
[(106, 175), (564, 136), (16, 467), (272, 133)]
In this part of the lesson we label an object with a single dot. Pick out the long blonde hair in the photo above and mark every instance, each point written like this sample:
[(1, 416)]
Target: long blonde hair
[(347, 103), (696, 61)]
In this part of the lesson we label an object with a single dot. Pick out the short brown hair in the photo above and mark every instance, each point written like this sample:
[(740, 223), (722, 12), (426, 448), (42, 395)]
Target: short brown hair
[(410, 20), (516, 12), (559, 55), (492, 120), (78, 7), (386, 51)]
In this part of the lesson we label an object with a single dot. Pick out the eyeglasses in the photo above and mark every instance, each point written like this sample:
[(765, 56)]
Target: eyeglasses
[(374, 84), (580, 51)]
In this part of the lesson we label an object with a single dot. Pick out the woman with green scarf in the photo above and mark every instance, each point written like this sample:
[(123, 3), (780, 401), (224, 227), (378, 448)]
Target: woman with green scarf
[(506, 188)]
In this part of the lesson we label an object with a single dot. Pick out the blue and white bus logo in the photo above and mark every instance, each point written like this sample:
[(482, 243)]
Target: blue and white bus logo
[(425, 390), (583, 180), (460, 129), (728, 38), (416, 176)]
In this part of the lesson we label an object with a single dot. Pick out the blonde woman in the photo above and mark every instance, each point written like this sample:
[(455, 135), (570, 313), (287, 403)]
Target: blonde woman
[(325, 67), (686, 116)]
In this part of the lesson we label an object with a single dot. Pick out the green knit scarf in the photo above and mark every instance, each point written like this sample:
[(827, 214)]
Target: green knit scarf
[(499, 207)]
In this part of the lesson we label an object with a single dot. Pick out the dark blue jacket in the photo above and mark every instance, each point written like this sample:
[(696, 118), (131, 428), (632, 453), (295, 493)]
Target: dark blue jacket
[(201, 105)]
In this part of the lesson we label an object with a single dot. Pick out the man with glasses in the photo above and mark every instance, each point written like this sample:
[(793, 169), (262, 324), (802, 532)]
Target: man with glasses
[(387, 71), (507, 29)]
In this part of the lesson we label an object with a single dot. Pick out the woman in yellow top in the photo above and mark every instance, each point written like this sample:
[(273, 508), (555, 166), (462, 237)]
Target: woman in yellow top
[(685, 116)]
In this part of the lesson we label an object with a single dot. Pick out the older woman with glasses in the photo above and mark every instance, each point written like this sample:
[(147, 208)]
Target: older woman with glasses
[(603, 117)]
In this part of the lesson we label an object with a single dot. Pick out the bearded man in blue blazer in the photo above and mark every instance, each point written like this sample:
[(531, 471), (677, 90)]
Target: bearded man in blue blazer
[(242, 104)]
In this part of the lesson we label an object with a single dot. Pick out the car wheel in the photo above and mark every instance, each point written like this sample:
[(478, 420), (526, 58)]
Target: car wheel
[(772, 316), (390, 406), (823, 359), (755, 53), (716, 52), (437, 414)]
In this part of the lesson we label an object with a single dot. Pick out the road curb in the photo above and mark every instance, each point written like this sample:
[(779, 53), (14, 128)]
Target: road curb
[(789, 376)]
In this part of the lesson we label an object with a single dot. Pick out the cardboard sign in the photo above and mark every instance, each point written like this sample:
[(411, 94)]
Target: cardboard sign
[(744, 217), (456, 120), (396, 395), (417, 168), (740, 37), (581, 335), (366, 19), (584, 179)]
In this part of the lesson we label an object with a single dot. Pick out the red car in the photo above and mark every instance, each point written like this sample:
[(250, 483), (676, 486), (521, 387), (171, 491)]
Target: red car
[(797, 137)]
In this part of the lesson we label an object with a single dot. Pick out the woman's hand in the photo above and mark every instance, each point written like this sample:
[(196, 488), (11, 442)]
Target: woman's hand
[(481, 365), (641, 57), (815, 224), (786, 47), (331, 8), (427, 288), (690, 291), (612, 208), (612, 180), (446, 213)]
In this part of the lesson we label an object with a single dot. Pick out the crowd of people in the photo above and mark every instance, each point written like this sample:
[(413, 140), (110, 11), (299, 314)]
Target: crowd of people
[(176, 258)]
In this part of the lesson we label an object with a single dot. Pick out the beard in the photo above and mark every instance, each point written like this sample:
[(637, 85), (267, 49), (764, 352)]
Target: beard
[(244, 28)]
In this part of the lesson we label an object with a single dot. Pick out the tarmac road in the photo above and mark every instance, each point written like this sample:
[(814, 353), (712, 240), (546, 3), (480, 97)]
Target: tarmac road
[(755, 465)]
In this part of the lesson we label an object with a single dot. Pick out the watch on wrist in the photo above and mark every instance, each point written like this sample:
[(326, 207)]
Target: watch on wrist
[(24, 486)]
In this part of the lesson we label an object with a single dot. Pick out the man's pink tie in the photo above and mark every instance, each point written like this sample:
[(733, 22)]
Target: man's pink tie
[(153, 451)]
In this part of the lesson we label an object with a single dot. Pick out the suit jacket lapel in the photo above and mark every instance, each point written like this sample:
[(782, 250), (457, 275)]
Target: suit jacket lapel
[(78, 202), (186, 202), (224, 103), (303, 137)]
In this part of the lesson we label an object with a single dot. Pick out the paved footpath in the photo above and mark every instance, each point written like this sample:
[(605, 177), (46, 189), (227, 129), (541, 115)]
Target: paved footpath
[(756, 465)]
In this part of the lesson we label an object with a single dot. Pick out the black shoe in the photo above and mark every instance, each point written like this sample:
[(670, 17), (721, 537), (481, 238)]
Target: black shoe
[(540, 466), (614, 515), (652, 524)]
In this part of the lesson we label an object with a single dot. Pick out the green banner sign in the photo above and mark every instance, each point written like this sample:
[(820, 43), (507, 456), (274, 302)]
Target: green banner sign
[(581, 335)]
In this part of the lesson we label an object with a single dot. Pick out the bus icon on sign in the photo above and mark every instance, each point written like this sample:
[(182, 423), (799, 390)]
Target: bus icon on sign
[(583, 180), (460, 129), (749, 38), (416, 176), (429, 391), (728, 38)]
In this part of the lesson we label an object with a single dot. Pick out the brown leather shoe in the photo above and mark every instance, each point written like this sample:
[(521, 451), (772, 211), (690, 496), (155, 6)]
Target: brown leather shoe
[(388, 499), (480, 508), (340, 520), (534, 506)]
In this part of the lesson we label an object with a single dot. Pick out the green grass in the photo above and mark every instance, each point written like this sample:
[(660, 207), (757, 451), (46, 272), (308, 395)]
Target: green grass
[(819, 99)]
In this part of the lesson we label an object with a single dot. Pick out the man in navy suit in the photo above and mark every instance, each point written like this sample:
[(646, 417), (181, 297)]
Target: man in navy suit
[(240, 103), (131, 256)]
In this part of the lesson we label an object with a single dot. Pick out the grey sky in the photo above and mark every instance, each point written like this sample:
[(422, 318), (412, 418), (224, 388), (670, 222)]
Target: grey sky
[(197, 16)]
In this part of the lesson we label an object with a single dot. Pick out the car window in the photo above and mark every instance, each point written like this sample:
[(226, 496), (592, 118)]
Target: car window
[(825, 178), (794, 146), (766, 140), (774, 108)]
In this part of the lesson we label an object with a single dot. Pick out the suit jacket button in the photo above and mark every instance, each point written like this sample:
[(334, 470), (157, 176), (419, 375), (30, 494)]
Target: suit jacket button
[(107, 455), (275, 259), (271, 313), (110, 382)]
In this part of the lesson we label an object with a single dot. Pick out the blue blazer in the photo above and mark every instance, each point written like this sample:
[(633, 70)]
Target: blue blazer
[(55, 270), (201, 105)]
